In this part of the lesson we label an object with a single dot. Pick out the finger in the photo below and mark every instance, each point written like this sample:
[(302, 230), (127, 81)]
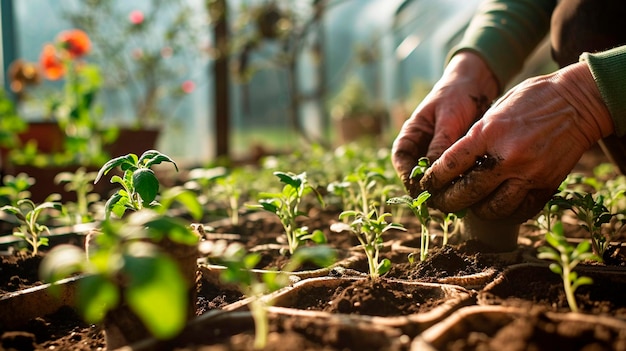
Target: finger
[(409, 146), (446, 134), (504, 201), (469, 189), (453, 163)]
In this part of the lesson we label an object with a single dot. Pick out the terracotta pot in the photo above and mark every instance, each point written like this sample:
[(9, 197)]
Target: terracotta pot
[(353, 128), (133, 140), (508, 328)]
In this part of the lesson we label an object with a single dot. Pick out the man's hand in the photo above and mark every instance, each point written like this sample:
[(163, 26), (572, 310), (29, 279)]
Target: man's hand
[(459, 98), (511, 161)]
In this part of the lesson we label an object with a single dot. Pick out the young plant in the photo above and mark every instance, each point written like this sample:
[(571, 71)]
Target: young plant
[(419, 208), (239, 265), (566, 258), (27, 212), (369, 229), (447, 221), (81, 183), (140, 185), (15, 188), (286, 206), (591, 212), (366, 179), (142, 261)]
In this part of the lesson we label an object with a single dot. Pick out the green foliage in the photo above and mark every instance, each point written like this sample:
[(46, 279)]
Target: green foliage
[(369, 229), (140, 185), (239, 270), (15, 188), (419, 207), (124, 260), (11, 124), (591, 211), (81, 183), (27, 213), (286, 206), (566, 257)]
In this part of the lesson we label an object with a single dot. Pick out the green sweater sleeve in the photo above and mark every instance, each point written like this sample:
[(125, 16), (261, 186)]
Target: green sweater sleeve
[(609, 71), (505, 32)]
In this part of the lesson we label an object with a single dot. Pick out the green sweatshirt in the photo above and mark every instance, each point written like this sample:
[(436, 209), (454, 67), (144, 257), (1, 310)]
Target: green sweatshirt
[(505, 32)]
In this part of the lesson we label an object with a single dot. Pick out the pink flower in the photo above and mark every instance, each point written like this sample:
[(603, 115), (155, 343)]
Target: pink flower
[(188, 86), (136, 17)]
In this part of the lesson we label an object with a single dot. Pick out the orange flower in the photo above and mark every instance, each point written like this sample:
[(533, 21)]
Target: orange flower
[(51, 63), (75, 41)]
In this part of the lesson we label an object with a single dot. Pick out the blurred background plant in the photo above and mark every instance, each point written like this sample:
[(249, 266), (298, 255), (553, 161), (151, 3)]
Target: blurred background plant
[(147, 53), (73, 107)]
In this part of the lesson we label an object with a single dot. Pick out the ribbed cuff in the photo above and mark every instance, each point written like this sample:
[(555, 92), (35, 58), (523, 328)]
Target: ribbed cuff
[(609, 71)]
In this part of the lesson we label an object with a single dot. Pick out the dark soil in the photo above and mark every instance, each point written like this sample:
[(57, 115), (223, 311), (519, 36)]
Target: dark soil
[(539, 291)]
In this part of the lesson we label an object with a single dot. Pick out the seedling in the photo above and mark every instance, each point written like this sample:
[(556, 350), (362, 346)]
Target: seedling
[(15, 188), (81, 183), (140, 185), (447, 221), (127, 263), (286, 206), (369, 229), (366, 179), (239, 265), (28, 214), (592, 212), (419, 208), (566, 258)]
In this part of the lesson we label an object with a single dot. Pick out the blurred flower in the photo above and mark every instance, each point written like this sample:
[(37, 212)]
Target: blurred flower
[(23, 74), (188, 86), (75, 42), (167, 52), (51, 63), (136, 17)]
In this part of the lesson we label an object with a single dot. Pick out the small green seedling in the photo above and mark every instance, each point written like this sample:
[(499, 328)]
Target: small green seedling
[(27, 212), (286, 206), (369, 229), (140, 185), (135, 260), (15, 188), (419, 208), (366, 179), (81, 183), (591, 212), (566, 258), (239, 270)]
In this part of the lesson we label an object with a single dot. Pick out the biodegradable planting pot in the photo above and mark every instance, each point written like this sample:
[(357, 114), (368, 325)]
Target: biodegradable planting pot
[(511, 328), (408, 306), (533, 285), (289, 330)]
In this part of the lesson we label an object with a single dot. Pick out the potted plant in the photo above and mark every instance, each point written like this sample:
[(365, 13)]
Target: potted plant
[(355, 113), (149, 54)]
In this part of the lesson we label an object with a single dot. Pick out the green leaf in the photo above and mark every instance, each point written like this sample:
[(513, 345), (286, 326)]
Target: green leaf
[(321, 255), (318, 237), (421, 198), (61, 262), (95, 297), (286, 178), (156, 281), (146, 184), (127, 160), (384, 266), (556, 268)]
